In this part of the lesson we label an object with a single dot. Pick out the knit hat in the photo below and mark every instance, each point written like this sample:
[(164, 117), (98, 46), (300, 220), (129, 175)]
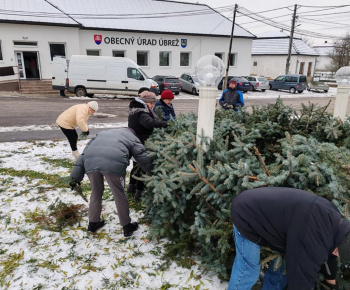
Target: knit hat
[(93, 105), (344, 249), (167, 94), (232, 82), (148, 97)]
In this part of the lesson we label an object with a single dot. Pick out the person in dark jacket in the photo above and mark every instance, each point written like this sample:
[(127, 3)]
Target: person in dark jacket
[(307, 229), (107, 156), (142, 119), (231, 98), (164, 106)]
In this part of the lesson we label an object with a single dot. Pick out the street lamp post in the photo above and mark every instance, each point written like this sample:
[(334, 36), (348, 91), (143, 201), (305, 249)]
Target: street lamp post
[(342, 77), (209, 71)]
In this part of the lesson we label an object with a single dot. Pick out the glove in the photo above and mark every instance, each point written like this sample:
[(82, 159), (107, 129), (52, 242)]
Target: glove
[(225, 106), (73, 183), (83, 135), (230, 106), (164, 124), (325, 286)]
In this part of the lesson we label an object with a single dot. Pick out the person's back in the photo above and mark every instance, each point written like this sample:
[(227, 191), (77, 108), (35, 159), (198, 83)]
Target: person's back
[(303, 226)]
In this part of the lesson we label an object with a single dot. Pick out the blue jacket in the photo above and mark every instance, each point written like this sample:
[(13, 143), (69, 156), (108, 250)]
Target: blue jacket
[(231, 97), (167, 110)]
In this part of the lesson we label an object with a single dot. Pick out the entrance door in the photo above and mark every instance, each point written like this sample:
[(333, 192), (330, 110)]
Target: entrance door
[(28, 64)]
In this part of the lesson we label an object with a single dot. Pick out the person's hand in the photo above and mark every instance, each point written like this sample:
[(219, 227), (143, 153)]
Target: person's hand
[(325, 285), (230, 106), (225, 106), (73, 183), (83, 135), (164, 124)]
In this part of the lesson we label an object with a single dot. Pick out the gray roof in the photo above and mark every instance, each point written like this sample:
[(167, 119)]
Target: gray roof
[(277, 43), (133, 15)]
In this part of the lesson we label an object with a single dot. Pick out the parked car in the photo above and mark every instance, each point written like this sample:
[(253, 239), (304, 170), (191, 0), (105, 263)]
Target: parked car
[(258, 83), (291, 83), (242, 83), (318, 86), (168, 83), (189, 83)]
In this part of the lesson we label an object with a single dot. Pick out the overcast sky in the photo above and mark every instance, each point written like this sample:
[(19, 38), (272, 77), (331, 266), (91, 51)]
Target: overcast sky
[(328, 22)]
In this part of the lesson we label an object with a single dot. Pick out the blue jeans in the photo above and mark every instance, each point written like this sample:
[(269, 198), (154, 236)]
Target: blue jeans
[(246, 268)]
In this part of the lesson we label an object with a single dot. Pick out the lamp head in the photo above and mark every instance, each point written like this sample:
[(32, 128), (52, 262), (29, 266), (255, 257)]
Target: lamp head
[(209, 70)]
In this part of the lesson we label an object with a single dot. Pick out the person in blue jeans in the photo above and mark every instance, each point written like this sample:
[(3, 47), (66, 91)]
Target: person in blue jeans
[(306, 229)]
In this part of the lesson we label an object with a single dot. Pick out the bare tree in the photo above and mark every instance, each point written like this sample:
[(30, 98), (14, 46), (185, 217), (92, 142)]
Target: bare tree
[(340, 56)]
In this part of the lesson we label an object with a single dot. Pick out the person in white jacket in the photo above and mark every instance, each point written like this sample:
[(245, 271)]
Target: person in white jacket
[(76, 116)]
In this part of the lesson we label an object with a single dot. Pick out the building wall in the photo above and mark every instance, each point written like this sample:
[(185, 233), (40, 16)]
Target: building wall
[(41, 34), (197, 46), (272, 66), (323, 63)]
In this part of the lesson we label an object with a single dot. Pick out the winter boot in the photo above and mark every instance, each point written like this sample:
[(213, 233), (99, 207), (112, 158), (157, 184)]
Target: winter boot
[(76, 154), (94, 226), (131, 188), (138, 194), (129, 229)]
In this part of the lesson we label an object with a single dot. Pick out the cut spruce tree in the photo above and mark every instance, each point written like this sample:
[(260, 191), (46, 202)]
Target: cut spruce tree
[(189, 194)]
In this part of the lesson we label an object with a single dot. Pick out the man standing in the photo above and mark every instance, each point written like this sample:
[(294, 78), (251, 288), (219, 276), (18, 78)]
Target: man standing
[(107, 156), (306, 229), (231, 98)]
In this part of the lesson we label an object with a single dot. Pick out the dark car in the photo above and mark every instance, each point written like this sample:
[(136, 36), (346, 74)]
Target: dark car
[(242, 83), (168, 83)]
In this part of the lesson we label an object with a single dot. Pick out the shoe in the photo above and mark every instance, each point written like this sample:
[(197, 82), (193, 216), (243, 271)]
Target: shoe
[(138, 194), (131, 188), (130, 228), (76, 154), (94, 226)]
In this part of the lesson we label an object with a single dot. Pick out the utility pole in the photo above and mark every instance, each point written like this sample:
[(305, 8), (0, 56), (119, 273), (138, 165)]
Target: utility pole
[(224, 85), (291, 39)]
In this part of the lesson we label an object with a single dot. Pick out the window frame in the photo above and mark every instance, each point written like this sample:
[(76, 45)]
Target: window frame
[(117, 50), (235, 55), (65, 49), (169, 58), (137, 58), (189, 58), (98, 50)]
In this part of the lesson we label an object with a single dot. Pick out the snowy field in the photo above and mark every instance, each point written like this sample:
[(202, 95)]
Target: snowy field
[(33, 178)]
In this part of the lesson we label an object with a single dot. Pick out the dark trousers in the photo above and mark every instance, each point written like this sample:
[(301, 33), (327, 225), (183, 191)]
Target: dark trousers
[(136, 171), (116, 183), (72, 137)]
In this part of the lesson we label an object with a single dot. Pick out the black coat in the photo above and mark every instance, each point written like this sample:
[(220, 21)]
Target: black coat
[(142, 120), (303, 226)]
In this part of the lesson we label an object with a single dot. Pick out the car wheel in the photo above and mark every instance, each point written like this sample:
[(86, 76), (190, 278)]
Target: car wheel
[(292, 90), (300, 92), (263, 90), (80, 92), (194, 91)]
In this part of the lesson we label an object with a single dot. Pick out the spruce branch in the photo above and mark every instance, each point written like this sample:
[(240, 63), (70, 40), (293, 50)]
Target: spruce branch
[(261, 161)]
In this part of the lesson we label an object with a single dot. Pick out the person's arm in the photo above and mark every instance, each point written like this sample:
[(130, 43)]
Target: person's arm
[(78, 171), (241, 100), (139, 152), (149, 123), (81, 118), (222, 99)]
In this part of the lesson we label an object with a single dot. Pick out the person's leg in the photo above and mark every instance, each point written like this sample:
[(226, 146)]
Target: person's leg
[(116, 183), (97, 188), (72, 137), (132, 182), (275, 280), (246, 266)]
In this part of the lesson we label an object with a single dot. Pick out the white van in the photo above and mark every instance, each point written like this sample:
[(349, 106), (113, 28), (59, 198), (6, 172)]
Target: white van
[(88, 75)]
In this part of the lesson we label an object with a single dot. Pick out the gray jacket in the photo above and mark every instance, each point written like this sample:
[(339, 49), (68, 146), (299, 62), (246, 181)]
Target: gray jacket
[(110, 151)]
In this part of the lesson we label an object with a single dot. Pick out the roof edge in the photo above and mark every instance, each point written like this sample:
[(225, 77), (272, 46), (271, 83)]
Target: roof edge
[(39, 23)]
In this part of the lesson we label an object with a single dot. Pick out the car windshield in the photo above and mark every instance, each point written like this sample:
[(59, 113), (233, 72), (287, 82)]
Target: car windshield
[(243, 80), (262, 79), (144, 74), (195, 79)]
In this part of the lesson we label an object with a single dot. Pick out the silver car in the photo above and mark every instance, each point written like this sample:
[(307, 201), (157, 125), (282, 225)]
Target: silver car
[(258, 83), (317, 86), (189, 83)]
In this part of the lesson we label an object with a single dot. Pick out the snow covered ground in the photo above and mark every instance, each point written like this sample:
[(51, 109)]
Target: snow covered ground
[(34, 258)]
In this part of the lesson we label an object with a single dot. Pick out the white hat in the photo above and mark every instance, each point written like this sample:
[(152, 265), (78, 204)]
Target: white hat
[(93, 105)]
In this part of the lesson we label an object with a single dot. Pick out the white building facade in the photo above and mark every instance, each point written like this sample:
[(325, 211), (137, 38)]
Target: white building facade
[(169, 45)]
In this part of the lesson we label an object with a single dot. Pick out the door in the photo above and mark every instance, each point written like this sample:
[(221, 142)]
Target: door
[(31, 64), (20, 64), (134, 81), (278, 84), (59, 73), (116, 77)]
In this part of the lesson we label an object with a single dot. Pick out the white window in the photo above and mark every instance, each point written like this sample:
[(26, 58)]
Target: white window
[(1, 58), (57, 49), (164, 58), (119, 53), (233, 57), (94, 52), (185, 59), (142, 58)]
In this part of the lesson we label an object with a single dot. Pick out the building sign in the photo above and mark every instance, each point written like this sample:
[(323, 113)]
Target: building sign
[(139, 41)]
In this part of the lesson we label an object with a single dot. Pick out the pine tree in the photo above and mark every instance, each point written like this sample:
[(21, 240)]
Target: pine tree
[(189, 193)]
